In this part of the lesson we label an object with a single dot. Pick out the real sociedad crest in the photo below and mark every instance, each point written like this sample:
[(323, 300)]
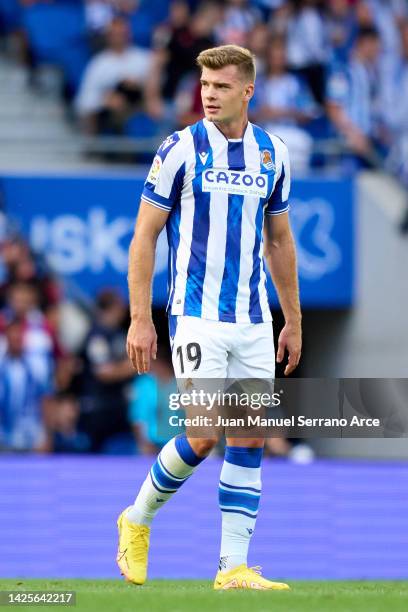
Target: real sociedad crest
[(266, 160)]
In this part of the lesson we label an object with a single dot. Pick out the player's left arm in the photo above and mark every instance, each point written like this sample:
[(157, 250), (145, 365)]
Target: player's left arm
[(280, 255)]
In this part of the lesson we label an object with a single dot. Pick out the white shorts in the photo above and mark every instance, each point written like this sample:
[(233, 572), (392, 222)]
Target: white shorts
[(202, 348)]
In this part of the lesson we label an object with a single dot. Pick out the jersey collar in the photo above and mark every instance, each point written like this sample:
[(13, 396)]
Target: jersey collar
[(212, 128)]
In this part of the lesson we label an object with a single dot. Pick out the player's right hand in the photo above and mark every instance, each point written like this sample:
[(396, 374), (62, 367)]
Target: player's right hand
[(141, 344)]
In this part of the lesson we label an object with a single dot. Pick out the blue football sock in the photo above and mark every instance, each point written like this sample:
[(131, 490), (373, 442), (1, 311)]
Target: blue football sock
[(239, 494), (173, 466)]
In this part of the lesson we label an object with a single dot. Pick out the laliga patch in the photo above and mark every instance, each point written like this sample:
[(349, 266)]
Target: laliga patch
[(266, 160), (235, 182), (155, 170)]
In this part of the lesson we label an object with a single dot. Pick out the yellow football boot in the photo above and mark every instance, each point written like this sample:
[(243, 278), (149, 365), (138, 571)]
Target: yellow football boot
[(243, 577), (133, 549)]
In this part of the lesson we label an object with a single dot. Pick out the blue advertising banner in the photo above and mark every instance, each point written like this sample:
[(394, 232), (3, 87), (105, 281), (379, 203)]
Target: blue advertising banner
[(84, 224), (327, 520)]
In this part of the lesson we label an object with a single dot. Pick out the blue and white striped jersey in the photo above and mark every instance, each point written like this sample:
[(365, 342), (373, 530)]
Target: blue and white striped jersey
[(217, 192)]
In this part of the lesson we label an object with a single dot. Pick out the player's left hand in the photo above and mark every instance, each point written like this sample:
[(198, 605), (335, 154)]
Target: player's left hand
[(290, 339)]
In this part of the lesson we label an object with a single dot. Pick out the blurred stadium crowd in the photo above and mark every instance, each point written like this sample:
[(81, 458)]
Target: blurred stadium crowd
[(53, 399), (332, 73), (56, 399)]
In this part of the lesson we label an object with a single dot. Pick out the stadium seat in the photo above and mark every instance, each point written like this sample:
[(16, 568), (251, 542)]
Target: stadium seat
[(10, 15), (140, 125), (146, 18), (57, 35), (120, 444)]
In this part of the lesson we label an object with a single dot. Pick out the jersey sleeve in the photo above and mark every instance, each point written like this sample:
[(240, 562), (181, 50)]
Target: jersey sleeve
[(278, 202), (164, 182)]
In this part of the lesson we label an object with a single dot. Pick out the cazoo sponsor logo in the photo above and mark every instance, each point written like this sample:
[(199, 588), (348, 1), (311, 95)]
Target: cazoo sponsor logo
[(235, 182)]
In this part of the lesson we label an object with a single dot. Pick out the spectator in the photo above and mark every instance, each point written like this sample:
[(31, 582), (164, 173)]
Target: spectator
[(283, 103), (340, 27), (176, 60), (179, 15), (268, 6), (28, 269), (238, 20), (12, 250), (258, 41), (278, 22), (67, 374), (397, 116), (149, 408), (3, 267), (107, 372), (61, 421), (112, 86), (194, 111), (387, 17), (23, 392), (98, 15), (306, 45), (364, 15), (40, 342), (352, 95)]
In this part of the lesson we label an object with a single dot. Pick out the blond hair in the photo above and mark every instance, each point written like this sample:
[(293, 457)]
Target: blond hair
[(229, 55)]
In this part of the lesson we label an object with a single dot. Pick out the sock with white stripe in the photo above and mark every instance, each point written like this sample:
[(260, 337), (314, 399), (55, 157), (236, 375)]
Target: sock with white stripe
[(173, 466), (239, 494)]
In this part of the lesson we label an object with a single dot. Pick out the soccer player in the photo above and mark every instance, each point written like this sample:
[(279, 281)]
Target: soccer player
[(221, 187)]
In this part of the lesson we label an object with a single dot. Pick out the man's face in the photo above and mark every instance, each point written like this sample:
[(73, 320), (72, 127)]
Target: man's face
[(371, 49), (118, 35), (22, 300), (224, 93), (339, 8), (15, 339), (66, 415), (112, 317), (277, 56)]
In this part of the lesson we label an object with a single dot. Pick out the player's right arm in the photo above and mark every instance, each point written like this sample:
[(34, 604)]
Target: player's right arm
[(142, 338), (161, 191)]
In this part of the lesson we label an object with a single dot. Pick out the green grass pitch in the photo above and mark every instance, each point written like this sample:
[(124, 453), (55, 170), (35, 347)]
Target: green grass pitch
[(197, 596)]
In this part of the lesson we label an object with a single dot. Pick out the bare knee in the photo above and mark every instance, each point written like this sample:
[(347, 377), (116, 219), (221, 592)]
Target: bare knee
[(202, 446)]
